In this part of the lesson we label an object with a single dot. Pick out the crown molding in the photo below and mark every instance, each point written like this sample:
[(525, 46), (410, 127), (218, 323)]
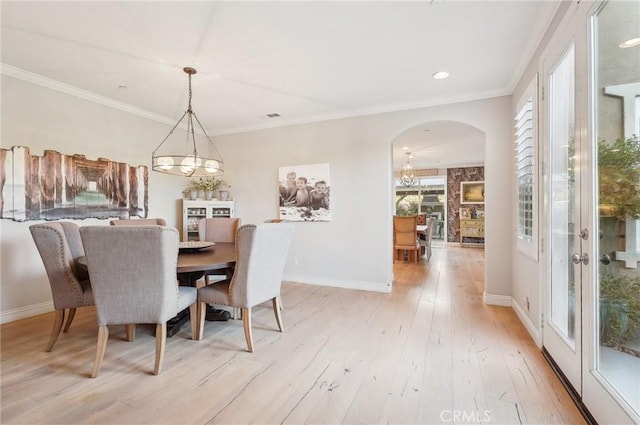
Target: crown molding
[(49, 83)]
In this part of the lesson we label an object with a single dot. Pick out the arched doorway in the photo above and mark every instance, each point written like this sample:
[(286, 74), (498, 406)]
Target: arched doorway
[(443, 153)]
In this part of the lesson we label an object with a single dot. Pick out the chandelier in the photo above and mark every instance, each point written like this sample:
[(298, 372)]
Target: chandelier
[(408, 173), (193, 159)]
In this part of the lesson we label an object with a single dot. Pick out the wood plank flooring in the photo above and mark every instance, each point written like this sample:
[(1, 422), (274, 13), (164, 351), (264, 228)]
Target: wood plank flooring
[(428, 353)]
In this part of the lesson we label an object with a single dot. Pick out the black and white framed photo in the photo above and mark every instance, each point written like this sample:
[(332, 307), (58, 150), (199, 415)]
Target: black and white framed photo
[(304, 192)]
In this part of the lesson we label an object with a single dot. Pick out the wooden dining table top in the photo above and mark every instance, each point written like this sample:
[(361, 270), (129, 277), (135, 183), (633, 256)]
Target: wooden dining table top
[(219, 256)]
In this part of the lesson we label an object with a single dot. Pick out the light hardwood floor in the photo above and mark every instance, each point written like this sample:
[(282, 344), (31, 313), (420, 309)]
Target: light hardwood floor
[(428, 353)]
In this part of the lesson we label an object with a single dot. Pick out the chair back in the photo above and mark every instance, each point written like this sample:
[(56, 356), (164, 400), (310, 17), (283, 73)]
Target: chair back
[(262, 254), (51, 241), (218, 229), (405, 234), (133, 272), (431, 223), (72, 233), (139, 222)]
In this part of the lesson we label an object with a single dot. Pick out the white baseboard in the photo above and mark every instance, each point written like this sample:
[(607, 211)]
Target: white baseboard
[(346, 284), (27, 311), (534, 332), (501, 300)]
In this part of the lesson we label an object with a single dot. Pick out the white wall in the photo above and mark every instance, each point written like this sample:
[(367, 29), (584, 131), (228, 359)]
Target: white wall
[(42, 118), (526, 274), (353, 250)]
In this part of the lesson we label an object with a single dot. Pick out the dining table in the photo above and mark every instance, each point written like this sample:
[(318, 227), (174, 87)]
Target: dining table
[(192, 264)]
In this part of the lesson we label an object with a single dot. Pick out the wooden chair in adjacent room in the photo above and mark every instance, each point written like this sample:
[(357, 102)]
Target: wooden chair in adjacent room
[(262, 253), (133, 273), (70, 286), (405, 237)]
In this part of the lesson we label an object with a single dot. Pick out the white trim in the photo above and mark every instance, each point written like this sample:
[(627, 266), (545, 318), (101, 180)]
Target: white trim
[(527, 323), (27, 311), (501, 300), (346, 284), (30, 77), (102, 100)]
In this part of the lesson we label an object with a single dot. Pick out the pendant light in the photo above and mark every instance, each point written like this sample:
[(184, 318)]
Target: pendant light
[(193, 157), (408, 173)]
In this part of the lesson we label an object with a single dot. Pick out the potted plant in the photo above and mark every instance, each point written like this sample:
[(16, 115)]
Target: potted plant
[(619, 178), (204, 187)]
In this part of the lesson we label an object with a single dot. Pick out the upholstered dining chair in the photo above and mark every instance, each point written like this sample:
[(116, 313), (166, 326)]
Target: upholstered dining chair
[(218, 229), (405, 236), (139, 222), (426, 237), (133, 273), (262, 253), (70, 287)]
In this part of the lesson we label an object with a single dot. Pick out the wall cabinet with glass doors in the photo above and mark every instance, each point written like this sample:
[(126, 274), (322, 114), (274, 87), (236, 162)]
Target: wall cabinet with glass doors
[(194, 211)]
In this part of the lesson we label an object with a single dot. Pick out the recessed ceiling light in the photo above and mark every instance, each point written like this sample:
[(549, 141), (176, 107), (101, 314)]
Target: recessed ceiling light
[(630, 43), (440, 75), (404, 148)]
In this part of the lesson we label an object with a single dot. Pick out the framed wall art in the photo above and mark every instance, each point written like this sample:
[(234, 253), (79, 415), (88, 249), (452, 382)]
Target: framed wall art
[(472, 192), (57, 186), (304, 192)]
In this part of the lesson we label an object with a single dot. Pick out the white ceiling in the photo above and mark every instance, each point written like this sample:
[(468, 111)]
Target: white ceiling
[(307, 61)]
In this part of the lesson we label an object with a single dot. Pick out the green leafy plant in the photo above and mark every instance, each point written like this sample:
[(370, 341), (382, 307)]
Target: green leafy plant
[(619, 308), (206, 184), (619, 176)]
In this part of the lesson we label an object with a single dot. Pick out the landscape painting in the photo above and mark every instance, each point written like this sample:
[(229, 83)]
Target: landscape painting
[(56, 186)]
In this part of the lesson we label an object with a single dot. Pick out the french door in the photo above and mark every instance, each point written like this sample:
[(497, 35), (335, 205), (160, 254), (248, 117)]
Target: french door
[(590, 99)]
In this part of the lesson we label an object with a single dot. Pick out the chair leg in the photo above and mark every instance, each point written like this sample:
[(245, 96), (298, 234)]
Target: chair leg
[(161, 342), (280, 303), (276, 309), (72, 314), (246, 321), (131, 331), (57, 327), (193, 318), (103, 336), (200, 314)]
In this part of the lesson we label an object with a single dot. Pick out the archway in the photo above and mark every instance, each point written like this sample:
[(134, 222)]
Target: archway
[(449, 152)]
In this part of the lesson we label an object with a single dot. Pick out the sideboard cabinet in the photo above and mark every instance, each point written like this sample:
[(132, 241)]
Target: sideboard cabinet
[(473, 231)]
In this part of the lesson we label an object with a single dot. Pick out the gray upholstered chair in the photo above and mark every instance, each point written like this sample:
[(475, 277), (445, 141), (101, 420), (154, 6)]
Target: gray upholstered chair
[(426, 237), (70, 288), (262, 253), (218, 229), (133, 273), (139, 222)]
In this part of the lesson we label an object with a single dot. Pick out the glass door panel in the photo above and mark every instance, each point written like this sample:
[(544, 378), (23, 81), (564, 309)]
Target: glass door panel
[(563, 194), (617, 271)]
